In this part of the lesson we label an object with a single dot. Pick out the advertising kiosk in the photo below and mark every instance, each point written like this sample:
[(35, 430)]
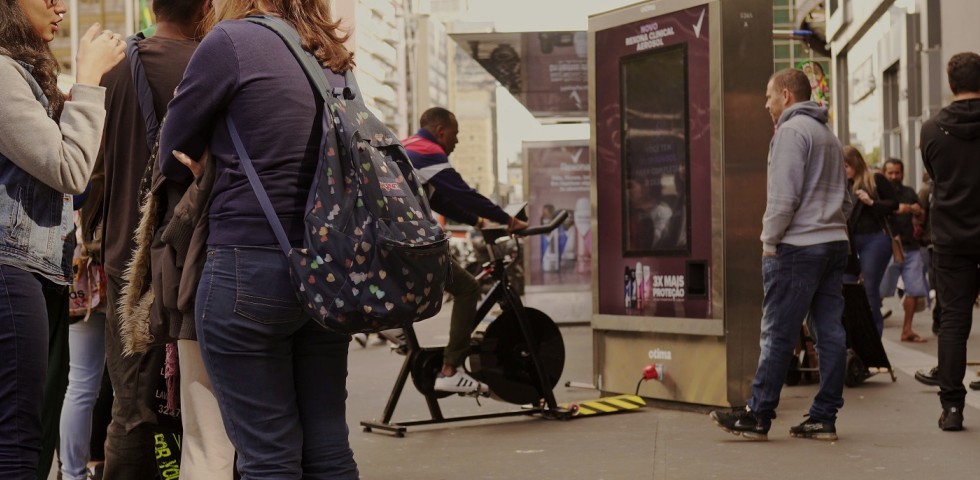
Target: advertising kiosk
[(679, 143)]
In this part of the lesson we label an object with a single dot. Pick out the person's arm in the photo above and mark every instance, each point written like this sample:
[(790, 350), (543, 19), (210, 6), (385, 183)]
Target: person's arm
[(452, 187), (447, 208), (211, 79), (887, 201), (787, 160), (60, 156)]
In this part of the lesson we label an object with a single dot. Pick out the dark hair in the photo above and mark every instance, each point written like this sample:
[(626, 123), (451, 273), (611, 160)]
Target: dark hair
[(19, 41), (435, 117), (793, 80), (963, 71), (893, 161), (177, 10)]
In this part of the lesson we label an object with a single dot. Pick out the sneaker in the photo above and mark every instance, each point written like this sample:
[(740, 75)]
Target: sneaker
[(460, 382), (95, 470), (951, 419), (815, 429), (741, 422), (928, 377)]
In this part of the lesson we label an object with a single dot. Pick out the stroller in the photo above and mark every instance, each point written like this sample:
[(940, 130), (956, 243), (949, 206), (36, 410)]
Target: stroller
[(864, 349)]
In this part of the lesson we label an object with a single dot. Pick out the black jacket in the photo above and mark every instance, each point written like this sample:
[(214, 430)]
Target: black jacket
[(950, 145)]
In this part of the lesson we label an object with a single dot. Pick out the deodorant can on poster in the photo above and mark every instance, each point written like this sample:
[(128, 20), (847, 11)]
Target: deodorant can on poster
[(633, 288), (647, 284), (626, 287), (640, 299)]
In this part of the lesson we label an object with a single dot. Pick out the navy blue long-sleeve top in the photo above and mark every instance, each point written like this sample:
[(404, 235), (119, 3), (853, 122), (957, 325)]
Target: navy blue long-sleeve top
[(246, 71), (449, 195)]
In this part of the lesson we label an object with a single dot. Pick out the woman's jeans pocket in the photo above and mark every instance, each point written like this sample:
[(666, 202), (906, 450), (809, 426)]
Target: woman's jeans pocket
[(264, 292)]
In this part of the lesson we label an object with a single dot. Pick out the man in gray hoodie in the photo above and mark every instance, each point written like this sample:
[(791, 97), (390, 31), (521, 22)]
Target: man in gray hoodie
[(804, 252)]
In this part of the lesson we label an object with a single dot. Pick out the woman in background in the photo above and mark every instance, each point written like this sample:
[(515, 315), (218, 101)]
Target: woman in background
[(874, 199)]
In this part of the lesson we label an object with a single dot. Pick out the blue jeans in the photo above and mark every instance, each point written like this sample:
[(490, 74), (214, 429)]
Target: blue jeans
[(23, 363), (86, 349), (279, 378), (874, 251), (797, 281)]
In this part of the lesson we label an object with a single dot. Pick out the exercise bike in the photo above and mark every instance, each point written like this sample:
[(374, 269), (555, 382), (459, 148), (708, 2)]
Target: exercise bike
[(519, 354)]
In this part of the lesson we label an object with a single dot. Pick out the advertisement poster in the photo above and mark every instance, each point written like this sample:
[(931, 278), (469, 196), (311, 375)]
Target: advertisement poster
[(558, 178), (653, 170), (556, 74), (547, 72)]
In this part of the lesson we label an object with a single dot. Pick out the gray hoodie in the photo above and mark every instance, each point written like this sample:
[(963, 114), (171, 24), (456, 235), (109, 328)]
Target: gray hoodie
[(807, 201)]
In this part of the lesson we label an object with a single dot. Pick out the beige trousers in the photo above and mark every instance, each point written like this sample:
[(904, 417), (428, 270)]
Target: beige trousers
[(206, 453)]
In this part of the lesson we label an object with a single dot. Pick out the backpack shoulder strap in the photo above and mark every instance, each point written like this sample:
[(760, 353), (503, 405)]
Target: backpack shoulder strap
[(311, 66), (143, 93)]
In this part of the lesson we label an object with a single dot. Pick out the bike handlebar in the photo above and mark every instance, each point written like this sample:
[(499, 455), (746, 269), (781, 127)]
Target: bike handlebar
[(546, 228)]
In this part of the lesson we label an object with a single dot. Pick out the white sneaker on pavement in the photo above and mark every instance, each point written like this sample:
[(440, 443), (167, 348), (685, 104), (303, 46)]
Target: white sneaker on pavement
[(460, 382)]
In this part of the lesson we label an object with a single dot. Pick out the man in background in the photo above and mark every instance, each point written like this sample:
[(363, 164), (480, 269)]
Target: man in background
[(452, 197), (913, 268), (804, 252), (950, 146)]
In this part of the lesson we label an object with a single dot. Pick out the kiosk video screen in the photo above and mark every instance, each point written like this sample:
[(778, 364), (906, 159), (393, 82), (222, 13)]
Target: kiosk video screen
[(655, 152)]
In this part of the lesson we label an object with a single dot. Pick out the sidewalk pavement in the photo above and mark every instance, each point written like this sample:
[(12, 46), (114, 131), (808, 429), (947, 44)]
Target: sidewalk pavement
[(887, 430)]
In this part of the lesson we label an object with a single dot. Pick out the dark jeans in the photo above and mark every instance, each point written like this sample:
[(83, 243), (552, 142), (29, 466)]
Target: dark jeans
[(798, 281), (466, 293), (129, 448), (279, 378), (23, 362), (874, 252), (56, 379), (957, 284)]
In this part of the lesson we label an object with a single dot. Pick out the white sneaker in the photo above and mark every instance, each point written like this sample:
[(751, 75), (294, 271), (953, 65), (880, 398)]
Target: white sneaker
[(460, 382)]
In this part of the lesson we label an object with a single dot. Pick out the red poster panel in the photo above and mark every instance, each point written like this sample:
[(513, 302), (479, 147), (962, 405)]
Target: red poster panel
[(558, 179), (653, 172), (556, 74), (548, 72)]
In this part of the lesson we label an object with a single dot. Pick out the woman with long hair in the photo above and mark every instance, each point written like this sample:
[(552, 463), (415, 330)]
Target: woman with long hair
[(279, 377), (48, 145), (874, 199)]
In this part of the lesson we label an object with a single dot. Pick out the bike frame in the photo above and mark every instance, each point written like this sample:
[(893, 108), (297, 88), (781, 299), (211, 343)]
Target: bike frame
[(501, 293)]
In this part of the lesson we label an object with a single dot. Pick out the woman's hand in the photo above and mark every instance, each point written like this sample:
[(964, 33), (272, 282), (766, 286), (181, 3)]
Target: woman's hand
[(98, 51), (865, 198), (196, 167)]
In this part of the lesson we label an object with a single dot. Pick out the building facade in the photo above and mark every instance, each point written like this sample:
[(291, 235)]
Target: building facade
[(116, 15), (889, 70), (378, 40)]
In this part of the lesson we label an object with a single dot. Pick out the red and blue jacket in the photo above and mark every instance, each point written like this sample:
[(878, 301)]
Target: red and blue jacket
[(449, 194)]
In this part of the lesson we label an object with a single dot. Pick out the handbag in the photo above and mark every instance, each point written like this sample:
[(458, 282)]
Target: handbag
[(87, 291), (898, 252)]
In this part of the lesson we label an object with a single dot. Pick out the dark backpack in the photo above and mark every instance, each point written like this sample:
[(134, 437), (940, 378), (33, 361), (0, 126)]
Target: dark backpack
[(373, 256)]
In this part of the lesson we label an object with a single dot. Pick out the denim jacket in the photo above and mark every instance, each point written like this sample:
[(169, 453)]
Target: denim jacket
[(36, 227)]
